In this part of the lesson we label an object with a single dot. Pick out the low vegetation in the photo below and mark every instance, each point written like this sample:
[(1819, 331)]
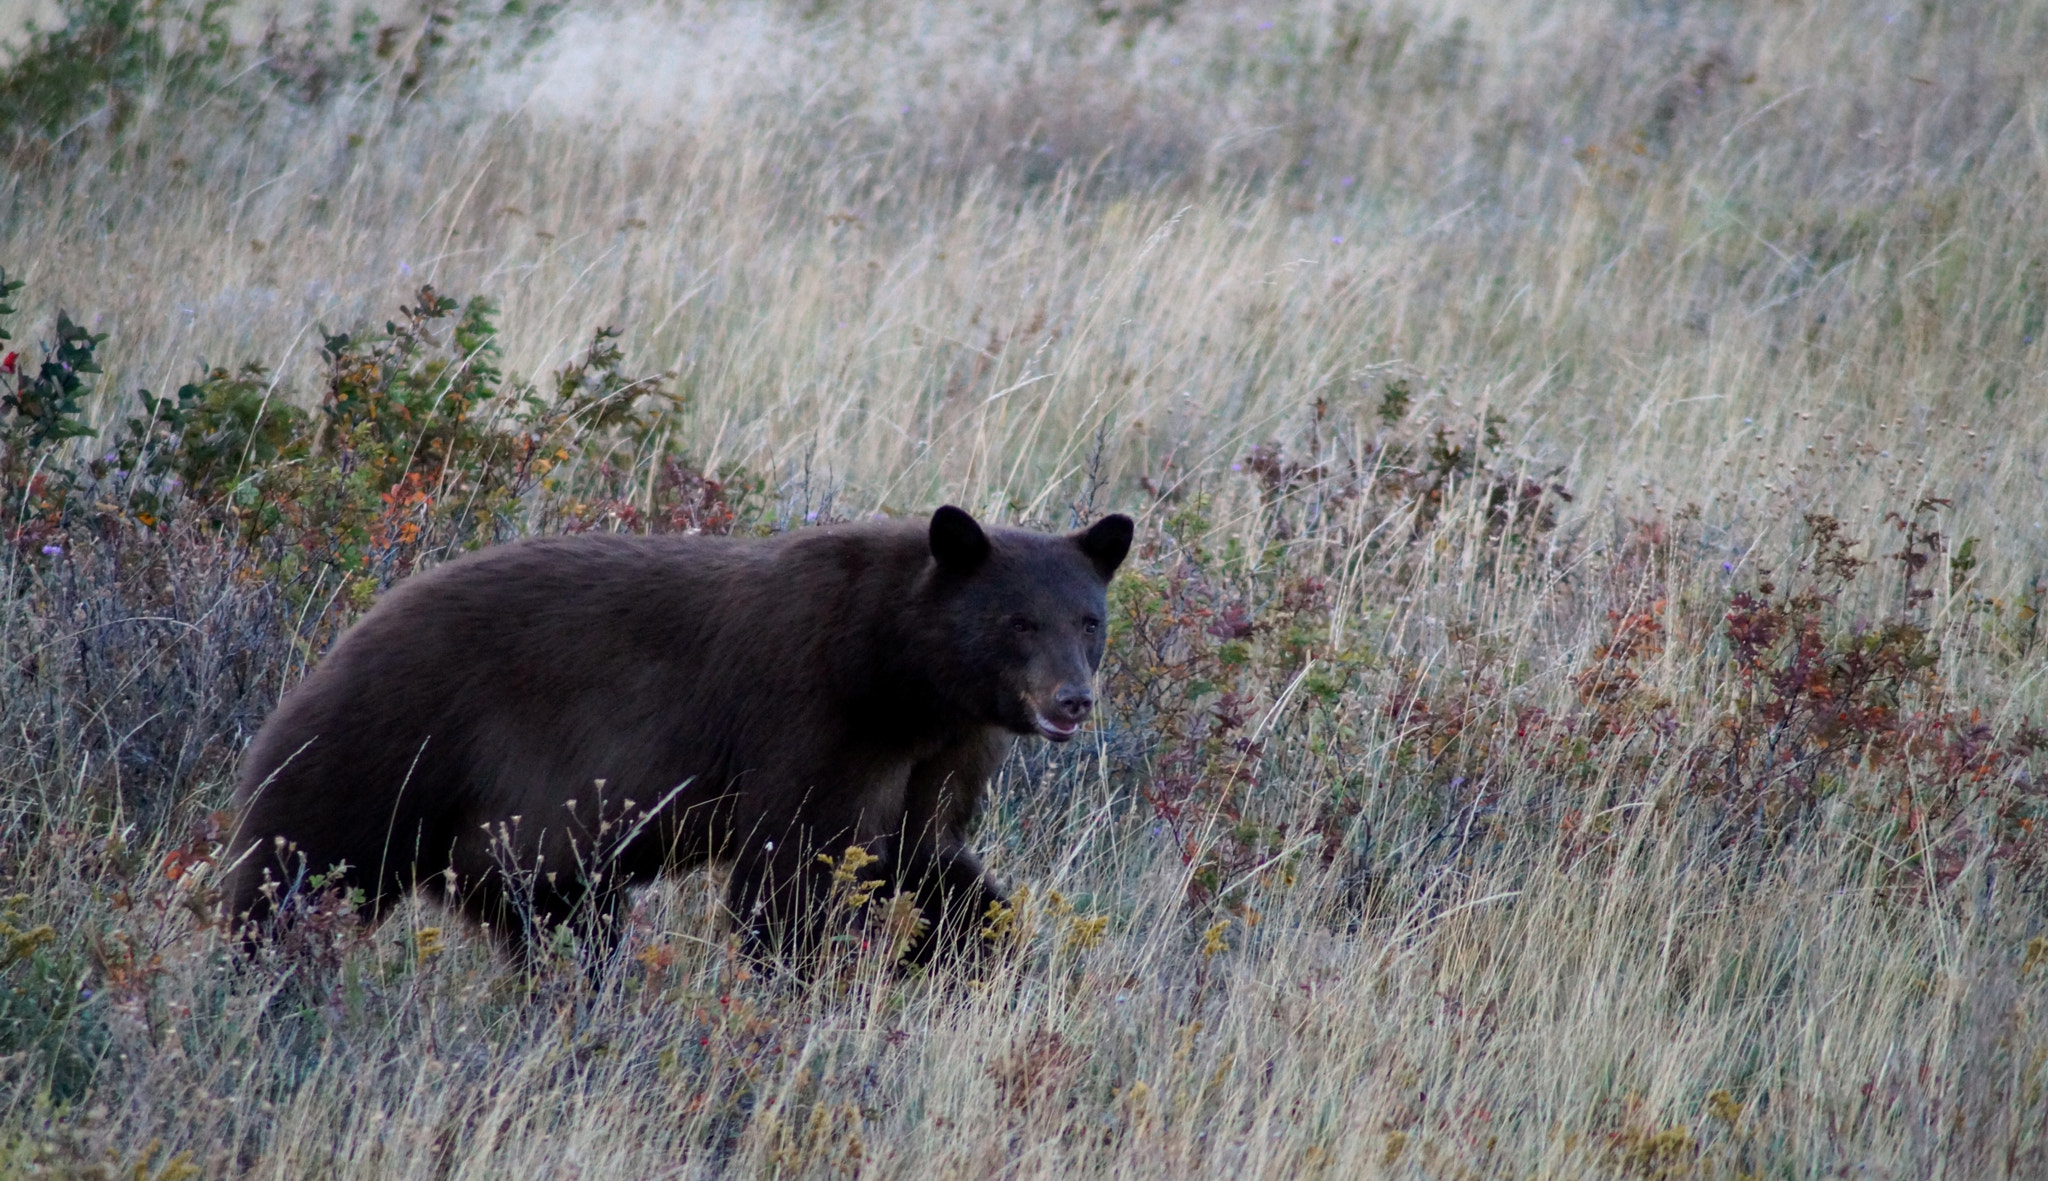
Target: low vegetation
[(1575, 708)]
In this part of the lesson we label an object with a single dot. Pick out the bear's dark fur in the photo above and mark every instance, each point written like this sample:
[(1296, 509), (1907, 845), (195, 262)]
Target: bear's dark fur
[(547, 721)]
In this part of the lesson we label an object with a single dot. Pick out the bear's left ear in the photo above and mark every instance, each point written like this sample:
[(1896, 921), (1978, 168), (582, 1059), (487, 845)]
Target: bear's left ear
[(1106, 542), (957, 540)]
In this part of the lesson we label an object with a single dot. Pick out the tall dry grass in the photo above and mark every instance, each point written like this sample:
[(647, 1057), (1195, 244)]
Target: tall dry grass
[(1716, 267)]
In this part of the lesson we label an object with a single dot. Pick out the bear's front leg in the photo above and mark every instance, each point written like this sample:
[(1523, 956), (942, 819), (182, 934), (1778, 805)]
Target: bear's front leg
[(953, 892), (937, 868)]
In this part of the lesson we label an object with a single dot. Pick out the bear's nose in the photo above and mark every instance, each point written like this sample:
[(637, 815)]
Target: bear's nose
[(1074, 701)]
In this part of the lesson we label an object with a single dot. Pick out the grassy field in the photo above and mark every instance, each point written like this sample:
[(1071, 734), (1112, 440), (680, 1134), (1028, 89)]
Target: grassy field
[(1574, 709)]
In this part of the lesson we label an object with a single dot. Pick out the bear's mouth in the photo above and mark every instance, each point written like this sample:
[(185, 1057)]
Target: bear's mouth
[(1057, 731)]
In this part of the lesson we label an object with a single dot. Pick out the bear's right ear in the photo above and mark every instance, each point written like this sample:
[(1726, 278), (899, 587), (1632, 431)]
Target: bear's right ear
[(958, 543), (1106, 543)]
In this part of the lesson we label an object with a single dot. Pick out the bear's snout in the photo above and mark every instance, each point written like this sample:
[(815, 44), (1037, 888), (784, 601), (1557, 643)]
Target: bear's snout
[(1074, 701), (1061, 718)]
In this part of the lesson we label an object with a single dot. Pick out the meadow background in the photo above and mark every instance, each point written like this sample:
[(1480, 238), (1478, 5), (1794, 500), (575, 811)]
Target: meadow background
[(1574, 710)]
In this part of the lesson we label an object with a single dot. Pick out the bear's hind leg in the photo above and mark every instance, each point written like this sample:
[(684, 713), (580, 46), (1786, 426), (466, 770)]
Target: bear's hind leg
[(535, 921), (780, 901), (275, 885)]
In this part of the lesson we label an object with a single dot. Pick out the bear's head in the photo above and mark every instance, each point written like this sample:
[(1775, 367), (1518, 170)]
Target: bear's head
[(1024, 615)]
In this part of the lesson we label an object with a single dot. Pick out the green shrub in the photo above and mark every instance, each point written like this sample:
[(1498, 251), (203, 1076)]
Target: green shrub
[(101, 58), (43, 1011), (416, 444), (41, 407), (85, 78)]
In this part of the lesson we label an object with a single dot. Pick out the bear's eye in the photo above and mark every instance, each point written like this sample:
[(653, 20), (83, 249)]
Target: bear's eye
[(1090, 625), (1021, 625)]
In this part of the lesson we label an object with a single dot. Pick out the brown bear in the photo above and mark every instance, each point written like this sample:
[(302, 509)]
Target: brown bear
[(536, 726)]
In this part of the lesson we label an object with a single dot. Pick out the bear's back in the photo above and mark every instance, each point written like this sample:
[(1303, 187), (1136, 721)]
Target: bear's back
[(571, 641)]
